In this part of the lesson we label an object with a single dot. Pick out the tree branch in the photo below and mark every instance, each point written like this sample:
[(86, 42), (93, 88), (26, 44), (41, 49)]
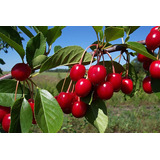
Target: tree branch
[(110, 50)]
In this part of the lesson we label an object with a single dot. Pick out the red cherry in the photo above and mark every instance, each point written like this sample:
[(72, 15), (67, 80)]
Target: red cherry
[(75, 97), (142, 58), (6, 122), (32, 107), (147, 85), (127, 85), (153, 40), (105, 90), (116, 80), (155, 69), (147, 64), (97, 74), (3, 112), (21, 71), (83, 87), (77, 72), (154, 28), (65, 101), (79, 109)]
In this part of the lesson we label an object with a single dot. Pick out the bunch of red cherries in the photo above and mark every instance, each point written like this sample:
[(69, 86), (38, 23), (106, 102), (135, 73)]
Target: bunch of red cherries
[(102, 85), (152, 43)]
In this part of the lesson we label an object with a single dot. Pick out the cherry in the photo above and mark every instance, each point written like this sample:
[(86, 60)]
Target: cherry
[(142, 58), (65, 101), (116, 80), (127, 85), (147, 85), (75, 97), (79, 109), (6, 122), (77, 72), (3, 112), (147, 64), (155, 69), (83, 87), (97, 74), (153, 40), (105, 90), (21, 71), (155, 28), (31, 102)]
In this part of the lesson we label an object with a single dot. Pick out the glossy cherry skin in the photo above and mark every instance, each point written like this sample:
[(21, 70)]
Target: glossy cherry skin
[(142, 58), (116, 80), (3, 112), (6, 122), (154, 28), (153, 40), (79, 109), (147, 64), (154, 69), (77, 72), (147, 85), (21, 71), (83, 87), (97, 74), (127, 86), (31, 102), (105, 90), (65, 101)]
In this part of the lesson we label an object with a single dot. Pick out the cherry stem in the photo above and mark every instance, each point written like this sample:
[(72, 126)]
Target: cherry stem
[(127, 64), (30, 90), (16, 90), (64, 82), (79, 99), (113, 68), (80, 62), (120, 57), (72, 89), (69, 86), (32, 82), (23, 88)]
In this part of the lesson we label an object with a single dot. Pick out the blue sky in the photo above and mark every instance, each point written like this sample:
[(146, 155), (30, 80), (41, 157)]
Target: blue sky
[(72, 35)]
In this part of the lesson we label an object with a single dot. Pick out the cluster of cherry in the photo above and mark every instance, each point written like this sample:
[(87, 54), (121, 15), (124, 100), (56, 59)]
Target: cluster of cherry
[(102, 85), (152, 43)]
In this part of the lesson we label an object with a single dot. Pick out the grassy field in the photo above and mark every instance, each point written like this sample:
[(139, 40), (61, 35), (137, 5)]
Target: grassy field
[(140, 114)]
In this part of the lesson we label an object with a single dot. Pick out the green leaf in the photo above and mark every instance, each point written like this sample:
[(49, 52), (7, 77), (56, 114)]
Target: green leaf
[(53, 34), (118, 67), (140, 48), (56, 48), (26, 31), (97, 28), (130, 29), (48, 113), (155, 84), (15, 117), (97, 115), (36, 46), (101, 35), (36, 62), (94, 47), (13, 44), (65, 57), (26, 116), (43, 29), (113, 33), (12, 34), (1, 61), (7, 92)]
